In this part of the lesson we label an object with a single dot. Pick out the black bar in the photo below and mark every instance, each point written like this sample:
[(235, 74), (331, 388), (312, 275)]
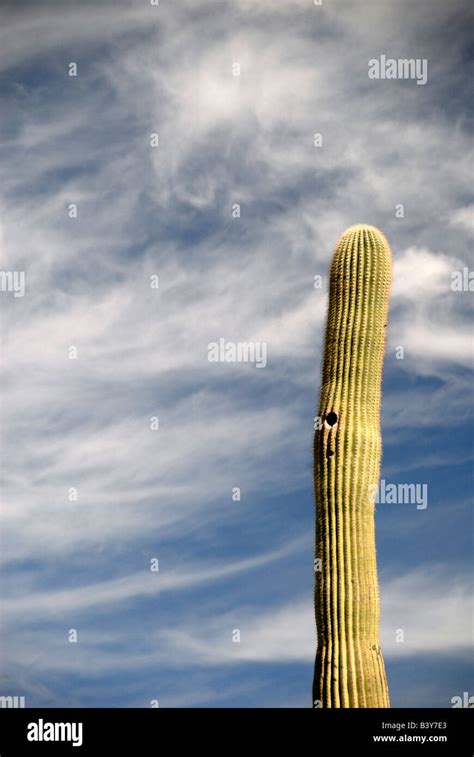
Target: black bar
[(169, 731)]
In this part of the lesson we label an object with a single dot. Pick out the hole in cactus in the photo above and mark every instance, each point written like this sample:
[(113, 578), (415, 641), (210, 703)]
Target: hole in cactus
[(330, 452), (331, 418)]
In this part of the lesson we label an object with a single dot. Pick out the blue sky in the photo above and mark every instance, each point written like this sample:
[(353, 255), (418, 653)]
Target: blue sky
[(166, 211)]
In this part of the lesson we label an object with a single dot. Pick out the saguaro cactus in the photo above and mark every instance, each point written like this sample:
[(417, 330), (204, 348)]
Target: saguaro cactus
[(349, 668)]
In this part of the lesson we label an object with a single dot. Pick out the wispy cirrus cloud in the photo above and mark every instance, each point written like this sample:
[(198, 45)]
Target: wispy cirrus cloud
[(423, 612), (141, 352)]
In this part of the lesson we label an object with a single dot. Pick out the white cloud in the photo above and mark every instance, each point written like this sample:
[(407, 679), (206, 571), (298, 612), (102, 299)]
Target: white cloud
[(433, 607), (429, 320), (464, 217), (419, 273)]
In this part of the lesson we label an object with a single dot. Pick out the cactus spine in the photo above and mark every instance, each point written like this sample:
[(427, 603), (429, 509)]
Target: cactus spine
[(349, 668)]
